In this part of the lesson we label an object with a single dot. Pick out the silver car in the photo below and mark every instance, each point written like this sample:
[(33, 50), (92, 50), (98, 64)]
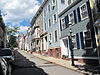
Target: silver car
[(5, 69), (7, 53)]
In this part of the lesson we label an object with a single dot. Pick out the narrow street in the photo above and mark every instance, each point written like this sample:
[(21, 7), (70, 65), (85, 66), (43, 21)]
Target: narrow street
[(27, 64)]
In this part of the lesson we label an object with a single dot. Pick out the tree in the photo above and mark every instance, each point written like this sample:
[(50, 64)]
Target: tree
[(12, 41), (12, 38)]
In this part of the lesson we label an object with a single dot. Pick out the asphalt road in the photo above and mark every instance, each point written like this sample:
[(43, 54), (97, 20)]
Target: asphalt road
[(27, 64)]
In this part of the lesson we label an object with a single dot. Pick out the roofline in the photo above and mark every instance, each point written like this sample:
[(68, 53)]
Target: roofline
[(68, 8), (38, 12)]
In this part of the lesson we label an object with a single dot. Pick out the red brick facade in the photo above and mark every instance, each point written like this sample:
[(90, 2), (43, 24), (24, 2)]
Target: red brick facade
[(55, 52)]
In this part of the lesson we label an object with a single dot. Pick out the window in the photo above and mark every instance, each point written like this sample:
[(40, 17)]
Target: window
[(53, 4), (63, 23), (71, 18), (55, 35), (53, 1), (65, 41), (49, 8), (57, 52), (83, 11), (44, 12), (54, 18), (69, 2), (45, 26), (74, 42), (50, 40), (62, 1), (88, 40), (49, 22)]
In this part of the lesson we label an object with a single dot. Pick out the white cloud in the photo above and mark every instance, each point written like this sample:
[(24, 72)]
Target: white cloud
[(18, 10), (23, 29)]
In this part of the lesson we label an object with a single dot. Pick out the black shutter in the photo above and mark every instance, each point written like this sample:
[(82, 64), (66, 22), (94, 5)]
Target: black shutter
[(60, 26), (93, 38), (75, 18), (82, 40), (78, 41), (78, 14), (66, 21), (89, 9)]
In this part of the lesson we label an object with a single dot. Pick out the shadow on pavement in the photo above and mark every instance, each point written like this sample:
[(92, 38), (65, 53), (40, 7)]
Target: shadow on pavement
[(22, 66)]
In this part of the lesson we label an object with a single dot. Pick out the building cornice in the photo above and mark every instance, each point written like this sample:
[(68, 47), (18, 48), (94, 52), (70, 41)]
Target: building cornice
[(69, 7), (38, 12)]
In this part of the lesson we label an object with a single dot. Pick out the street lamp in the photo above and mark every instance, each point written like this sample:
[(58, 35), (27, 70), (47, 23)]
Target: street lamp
[(71, 48)]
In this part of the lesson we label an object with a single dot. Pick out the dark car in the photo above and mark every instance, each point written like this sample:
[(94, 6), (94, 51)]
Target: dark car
[(7, 53), (5, 68)]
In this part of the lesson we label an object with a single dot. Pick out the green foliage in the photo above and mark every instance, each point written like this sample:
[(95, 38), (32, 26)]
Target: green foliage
[(12, 38), (12, 31), (12, 41)]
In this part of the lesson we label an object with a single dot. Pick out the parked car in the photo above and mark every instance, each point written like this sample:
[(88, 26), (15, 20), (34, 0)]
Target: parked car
[(7, 53), (5, 68)]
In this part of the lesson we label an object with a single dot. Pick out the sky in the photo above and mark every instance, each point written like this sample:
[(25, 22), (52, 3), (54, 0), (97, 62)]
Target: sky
[(19, 13)]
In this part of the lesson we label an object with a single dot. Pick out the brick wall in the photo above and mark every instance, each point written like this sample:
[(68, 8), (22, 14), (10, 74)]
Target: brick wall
[(54, 53)]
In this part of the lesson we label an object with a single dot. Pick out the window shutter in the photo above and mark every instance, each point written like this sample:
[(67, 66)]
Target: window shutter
[(89, 9), (70, 42), (82, 40), (93, 38), (60, 26), (77, 40), (66, 21), (75, 18), (78, 14)]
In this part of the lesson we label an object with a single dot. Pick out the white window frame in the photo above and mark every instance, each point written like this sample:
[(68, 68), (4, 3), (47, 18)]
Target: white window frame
[(75, 41), (70, 3), (50, 22), (63, 23), (81, 11), (85, 40), (44, 12), (67, 42), (70, 18), (54, 21), (53, 5), (49, 8), (50, 39)]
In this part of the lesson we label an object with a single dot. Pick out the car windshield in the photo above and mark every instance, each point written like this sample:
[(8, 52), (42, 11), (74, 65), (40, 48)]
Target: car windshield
[(5, 52)]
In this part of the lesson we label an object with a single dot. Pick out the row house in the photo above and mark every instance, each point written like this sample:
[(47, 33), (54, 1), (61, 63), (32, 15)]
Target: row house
[(77, 18), (27, 40), (51, 28), (37, 29), (61, 25), (21, 41), (2, 32), (46, 29)]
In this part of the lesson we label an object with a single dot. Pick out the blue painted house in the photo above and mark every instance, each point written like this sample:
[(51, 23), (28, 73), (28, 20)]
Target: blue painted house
[(76, 21)]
